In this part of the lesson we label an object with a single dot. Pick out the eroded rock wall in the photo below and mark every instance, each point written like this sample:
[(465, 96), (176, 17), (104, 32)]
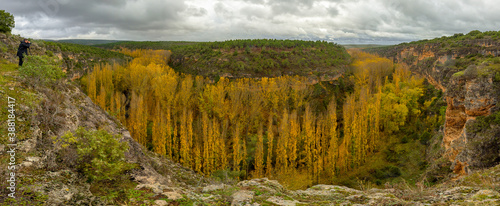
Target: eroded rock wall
[(467, 97)]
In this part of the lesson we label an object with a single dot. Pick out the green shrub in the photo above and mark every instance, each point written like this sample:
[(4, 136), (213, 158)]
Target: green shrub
[(458, 74), (484, 122), (387, 172), (228, 175), (41, 68), (3, 48), (424, 139), (49, 53), (101, 156), (485, 140), (470, 72)]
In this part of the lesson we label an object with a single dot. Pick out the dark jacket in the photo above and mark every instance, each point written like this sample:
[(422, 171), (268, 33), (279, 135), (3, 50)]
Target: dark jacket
[(23, 49)]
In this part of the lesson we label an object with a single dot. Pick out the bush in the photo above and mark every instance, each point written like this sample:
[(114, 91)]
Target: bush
[(228, 176), (49, 53), (485, 140), (425, 138), (42, 68), (484, 122), (387, 172), (100, 155), (458, 74), (470, 72)]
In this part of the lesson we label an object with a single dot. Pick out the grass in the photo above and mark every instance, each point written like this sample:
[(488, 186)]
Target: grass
[(11, 87), (119, 191), (485, 179), (458, 74)]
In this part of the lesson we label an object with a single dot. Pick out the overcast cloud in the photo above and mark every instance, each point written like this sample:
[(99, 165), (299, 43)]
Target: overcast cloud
[(343, 21)]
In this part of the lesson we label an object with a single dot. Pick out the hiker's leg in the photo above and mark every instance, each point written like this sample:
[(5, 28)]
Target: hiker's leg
[(20, 61)]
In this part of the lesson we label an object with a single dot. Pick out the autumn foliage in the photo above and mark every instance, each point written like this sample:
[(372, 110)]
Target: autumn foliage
[(262, 127)]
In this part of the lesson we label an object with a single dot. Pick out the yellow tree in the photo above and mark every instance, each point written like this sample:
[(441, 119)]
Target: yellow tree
[(316, 150), (259, 152), (293, 140), (308, 126), (138, 119), (207, 141), (270, 139), (282, 144), (236, 147), (332, 136), (92, 85), (159, 131)]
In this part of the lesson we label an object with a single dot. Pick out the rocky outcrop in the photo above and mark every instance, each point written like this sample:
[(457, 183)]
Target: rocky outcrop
[(264, 192), (468, 94)]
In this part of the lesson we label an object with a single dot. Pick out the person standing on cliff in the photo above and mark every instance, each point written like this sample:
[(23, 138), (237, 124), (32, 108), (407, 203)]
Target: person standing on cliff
[(23, 49)]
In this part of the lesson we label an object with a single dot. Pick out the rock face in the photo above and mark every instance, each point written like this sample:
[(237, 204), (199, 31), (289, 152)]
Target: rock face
[(468, 96)]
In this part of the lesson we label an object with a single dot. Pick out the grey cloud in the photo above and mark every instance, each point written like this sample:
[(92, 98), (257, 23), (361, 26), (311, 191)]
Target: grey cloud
[(198, 12), (225, 19), (92, 15), (332, 11), (253, 12), (221, 9), (255, 1), (296, 3), (285, 9)]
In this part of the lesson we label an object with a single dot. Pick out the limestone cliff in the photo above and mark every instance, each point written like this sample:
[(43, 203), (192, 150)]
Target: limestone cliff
[(465, 71)]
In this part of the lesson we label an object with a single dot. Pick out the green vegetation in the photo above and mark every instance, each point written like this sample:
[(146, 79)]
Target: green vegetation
[(466, 56), (249, 58), (228, 176), (465, 45), (259, 58), (6, 22), (165, 45), (362, 46), (88, 42), (41, 69), (86, 51), (452, 40), (402, 158), (100, 154), (458, 74)]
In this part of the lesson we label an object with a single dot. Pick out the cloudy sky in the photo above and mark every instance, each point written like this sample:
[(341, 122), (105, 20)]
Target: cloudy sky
[(342, 21)]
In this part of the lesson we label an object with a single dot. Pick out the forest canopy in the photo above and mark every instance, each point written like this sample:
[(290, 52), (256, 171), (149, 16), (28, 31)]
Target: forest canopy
[(275, 127), (250, 58)]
